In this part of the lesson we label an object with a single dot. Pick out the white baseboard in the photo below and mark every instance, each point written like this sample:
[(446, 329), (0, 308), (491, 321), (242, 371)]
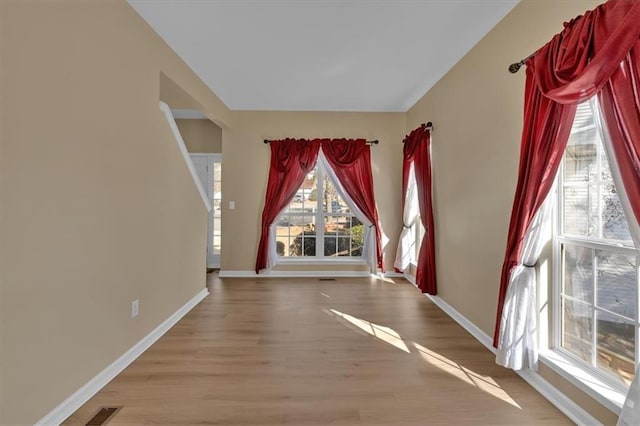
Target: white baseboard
[(563, 403), (294, 274), (82, 395), (480, 335), (411, 279)]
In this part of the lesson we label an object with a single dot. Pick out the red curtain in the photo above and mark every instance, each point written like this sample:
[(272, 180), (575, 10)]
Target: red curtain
[(351, 162), (417, 149), (291, 160), (620, 104), (597, 52)]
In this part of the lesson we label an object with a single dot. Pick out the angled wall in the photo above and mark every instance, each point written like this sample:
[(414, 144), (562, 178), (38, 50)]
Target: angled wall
[(201, 135)]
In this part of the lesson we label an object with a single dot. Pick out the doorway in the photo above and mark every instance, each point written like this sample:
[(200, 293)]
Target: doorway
[(209, 169)]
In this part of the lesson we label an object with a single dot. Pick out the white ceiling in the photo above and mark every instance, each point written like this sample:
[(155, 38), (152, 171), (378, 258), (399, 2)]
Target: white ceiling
[(321, 55)]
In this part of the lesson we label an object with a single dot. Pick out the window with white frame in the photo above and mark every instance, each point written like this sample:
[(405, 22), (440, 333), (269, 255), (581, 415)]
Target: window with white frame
[(417, 229), (596, 320), (317, 223), (418, 232)]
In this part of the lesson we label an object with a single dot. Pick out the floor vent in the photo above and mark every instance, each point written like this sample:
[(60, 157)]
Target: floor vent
[(326, 279), (103, 416)]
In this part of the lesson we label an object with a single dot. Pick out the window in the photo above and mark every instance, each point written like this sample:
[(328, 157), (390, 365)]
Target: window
[(596, 321), (417, 229), (317, 223), (216, 229)]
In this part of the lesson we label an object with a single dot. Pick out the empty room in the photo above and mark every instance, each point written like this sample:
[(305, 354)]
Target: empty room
[(305, 212)]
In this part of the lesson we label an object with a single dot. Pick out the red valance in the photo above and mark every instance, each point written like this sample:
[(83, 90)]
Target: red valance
[(578, 61)]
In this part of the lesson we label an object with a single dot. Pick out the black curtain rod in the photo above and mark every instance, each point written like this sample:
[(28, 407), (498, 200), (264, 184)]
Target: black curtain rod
[(515, 67), (373, 142), (427, 126)]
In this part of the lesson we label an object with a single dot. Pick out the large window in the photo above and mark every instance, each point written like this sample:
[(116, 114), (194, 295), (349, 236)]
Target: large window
[(317, 223), (417, 229), (596, 321)]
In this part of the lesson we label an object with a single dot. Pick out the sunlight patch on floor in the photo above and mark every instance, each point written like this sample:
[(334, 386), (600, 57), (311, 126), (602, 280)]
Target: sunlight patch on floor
[(485, 383), (383, 333), (388, 335)]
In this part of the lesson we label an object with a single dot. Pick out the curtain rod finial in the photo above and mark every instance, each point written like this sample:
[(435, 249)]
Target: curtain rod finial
[(515, 67), (266, 141)]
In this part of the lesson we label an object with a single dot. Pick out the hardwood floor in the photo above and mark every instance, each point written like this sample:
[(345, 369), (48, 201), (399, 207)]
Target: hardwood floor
[(310, 352)]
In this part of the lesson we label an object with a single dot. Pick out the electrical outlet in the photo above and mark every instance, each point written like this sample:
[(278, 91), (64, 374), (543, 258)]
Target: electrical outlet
[(232, 205), (134, 308)]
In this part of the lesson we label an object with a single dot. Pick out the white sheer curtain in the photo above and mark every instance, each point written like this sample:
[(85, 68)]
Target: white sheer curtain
[(272, 254), (369, 249), (518, 344), (409, 216), (630, 415)]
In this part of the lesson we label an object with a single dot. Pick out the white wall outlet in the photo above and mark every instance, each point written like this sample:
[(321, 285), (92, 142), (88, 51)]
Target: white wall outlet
[(232, 205), (135, 305)]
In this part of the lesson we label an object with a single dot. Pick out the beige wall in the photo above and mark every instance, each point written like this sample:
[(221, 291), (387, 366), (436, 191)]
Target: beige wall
[(477, 112), (246, 167), (201, 136), (98, 207)]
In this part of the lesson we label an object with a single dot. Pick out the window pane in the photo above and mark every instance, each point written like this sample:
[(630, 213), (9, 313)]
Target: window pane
[(304, 200), (605, 170), (357, 237), (584, 117), (217, 225), (327, 195), (576, 328), (580, 157), (217, 181), (617, 287), (581, 210), (614, 222), (330, 243), (578, 272), (216, 244), (616, 346), (296, 234), (217, 171), (332, 202), (344, 246), (308, 243), (283, 236), (344, 236)]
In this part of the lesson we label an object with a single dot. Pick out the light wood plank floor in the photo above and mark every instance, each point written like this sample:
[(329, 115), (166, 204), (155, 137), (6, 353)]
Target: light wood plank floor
[(310, 352)]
